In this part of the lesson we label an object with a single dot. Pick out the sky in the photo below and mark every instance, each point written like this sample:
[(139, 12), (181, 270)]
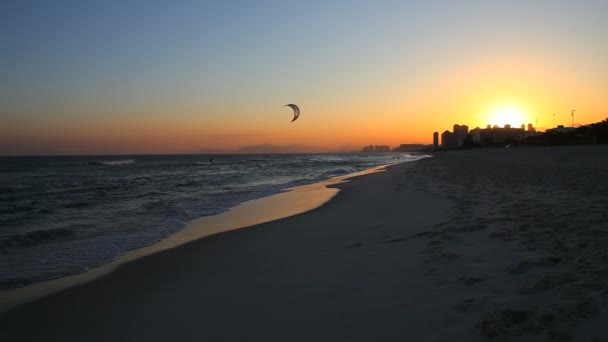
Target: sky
[(127, 77)]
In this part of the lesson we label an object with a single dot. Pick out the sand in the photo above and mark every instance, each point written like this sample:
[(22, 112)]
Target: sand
[(290, 202), (491, 244)]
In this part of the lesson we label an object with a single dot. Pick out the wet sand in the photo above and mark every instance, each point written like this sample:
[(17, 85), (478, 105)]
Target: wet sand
[(492, 244)]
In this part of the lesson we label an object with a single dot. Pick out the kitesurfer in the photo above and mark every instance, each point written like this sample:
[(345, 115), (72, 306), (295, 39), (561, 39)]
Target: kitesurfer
[(296, 111)]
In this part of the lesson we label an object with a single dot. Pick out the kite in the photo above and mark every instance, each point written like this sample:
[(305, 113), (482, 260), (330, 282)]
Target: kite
[(296, 111)]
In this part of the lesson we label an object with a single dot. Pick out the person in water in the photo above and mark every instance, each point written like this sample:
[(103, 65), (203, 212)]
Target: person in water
[(211, 160)]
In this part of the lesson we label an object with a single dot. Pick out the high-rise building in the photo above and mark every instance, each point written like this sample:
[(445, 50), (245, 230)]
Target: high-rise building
[(448, 140), (382, 148), (435, 141), (460, 133), (531, 128)]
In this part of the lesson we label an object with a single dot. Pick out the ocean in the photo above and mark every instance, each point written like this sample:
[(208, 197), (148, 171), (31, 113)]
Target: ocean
[(64, 215)]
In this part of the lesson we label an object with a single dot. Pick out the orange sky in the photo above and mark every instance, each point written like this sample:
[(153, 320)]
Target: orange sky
[(385, 74)]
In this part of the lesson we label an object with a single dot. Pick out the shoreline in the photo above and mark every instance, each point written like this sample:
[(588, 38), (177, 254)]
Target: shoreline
[(505, 244), (289, 202)]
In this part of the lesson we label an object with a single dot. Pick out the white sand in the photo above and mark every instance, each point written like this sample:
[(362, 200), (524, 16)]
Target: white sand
[(500, 244)]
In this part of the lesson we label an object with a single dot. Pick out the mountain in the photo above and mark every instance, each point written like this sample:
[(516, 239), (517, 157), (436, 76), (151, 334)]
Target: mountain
[(293, 148)]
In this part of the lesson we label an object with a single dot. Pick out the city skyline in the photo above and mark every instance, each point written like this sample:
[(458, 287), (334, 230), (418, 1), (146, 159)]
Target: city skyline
[(180, 77)]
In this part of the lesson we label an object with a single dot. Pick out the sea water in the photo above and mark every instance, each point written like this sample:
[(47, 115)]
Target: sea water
[(64, 215)]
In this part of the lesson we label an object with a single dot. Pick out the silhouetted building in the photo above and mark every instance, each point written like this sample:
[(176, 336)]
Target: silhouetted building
[(460, 133), (369, 148), (496, 136), (409, 148), (561, 129), (376, 148), (452, 140), (448, 140), (435, 141)]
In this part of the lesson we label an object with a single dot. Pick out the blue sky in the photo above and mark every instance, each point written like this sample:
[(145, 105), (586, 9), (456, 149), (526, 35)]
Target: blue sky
[(142, 59)]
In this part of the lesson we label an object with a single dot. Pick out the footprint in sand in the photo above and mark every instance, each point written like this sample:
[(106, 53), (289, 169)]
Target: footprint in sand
[(395, 240), (445, 256), (550, 282), (471, 228), (502, 322), (470, 281), (525, 265), (423, 234), (354, 245), (472, 304)]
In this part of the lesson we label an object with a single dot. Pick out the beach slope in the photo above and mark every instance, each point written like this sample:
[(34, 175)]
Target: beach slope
[(506, 244)]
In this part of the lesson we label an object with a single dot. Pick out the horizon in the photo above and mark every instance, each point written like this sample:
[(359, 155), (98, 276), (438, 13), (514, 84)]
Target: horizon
[(118, 78), (243, 150)]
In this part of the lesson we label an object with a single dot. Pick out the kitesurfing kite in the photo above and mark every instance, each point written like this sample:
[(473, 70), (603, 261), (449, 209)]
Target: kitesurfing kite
[(296, 111)]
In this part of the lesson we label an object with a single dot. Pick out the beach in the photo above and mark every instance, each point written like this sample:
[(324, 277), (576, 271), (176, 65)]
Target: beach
[(487, 244)]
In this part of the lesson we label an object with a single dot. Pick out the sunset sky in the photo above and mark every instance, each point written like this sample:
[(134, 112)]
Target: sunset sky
[(119, 77)]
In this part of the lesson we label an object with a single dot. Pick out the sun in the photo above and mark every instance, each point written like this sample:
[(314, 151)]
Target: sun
[(506, 115)]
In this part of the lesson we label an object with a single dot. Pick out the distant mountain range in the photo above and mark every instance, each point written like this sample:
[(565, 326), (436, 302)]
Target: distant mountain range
[(292, 148)]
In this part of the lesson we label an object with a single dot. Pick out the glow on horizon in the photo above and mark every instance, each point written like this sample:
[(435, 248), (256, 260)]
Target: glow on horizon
[(507, 115), (171, 77)]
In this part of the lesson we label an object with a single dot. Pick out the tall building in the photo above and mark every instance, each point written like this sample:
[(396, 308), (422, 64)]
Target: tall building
[(448, 140), (382, 148), (435, 141), (409, 148), (460, 133), (497, 136)]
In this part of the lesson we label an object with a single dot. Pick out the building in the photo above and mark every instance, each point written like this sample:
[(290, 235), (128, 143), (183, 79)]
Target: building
[(531, 128), (452, 140), (498, 136), (448, 140), (460, 133), (436, 141), (409, 148), (369, 148), (561, 129), (376, 148)]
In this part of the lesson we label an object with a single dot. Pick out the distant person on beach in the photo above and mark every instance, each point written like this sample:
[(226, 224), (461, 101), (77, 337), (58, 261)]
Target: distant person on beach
[(211, 160)]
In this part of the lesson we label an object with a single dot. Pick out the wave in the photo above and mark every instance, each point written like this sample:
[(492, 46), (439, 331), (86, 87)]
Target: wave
[(33, 238), (151, 194), (337, 172), (188, 184), (113, 162), (11, 283), (167, 191)]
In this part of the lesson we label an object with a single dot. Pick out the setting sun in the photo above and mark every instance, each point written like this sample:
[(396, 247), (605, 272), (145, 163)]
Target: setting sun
[(507, 115)]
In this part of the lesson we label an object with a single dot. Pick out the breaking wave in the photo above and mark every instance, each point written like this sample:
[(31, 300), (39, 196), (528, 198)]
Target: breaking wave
[(34, 237), (114, 162)]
